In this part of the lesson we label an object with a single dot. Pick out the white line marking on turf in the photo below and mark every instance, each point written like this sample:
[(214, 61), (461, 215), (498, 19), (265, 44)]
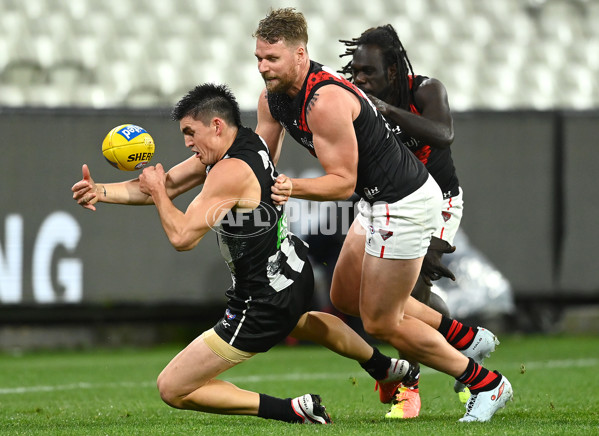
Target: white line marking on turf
[(561, 363), (72, 386), (282, 377)]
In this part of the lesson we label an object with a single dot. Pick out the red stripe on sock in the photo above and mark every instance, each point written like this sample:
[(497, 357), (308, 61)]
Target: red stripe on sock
[(465, 340), (475, 373), (453, 331), (488, 379)]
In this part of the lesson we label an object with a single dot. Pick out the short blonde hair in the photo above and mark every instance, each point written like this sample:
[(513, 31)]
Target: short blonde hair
[(285, 24)]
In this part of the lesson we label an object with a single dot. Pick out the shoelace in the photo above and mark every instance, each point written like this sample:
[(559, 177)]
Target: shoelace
[(412, 377), (470, 403)]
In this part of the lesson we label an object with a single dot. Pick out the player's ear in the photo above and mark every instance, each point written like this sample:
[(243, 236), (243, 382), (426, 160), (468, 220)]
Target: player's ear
[(218, 125), (300, 53)]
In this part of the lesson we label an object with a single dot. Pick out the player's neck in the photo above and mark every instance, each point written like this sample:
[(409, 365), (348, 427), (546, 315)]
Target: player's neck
[(228, 138), (303, 70)]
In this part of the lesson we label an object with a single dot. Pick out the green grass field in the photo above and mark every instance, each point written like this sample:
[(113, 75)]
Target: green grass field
[(112, 392)]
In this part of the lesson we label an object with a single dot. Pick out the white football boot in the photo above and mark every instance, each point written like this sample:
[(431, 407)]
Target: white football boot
[(482, 346), (310, 410), (387, 387), (482, 406)]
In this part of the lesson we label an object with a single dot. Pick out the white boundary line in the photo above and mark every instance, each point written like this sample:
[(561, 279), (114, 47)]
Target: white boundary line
[(569, 363)]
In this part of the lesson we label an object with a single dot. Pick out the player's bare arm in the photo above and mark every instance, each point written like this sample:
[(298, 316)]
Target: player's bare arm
[(229, 181), (269, 129), (435, 125), (330, 117), (179, 179)]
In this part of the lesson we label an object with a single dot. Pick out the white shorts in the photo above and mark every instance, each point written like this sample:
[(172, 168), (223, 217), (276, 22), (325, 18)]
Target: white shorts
[(402, 230), (451, 215)]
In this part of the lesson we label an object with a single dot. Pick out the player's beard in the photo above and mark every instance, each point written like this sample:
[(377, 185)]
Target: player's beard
[(281, 86)]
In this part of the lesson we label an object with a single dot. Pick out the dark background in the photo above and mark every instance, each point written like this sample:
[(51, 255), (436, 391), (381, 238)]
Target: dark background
[(529, 191)]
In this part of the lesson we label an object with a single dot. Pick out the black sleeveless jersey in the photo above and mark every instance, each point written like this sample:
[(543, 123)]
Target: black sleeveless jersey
[(438, 161), (262, 255), (387, 171)]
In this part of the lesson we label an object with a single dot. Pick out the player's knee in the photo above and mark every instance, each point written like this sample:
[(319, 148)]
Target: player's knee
[(376, 330), (168, 391), (337, 302), (381, 328), (344, 304)]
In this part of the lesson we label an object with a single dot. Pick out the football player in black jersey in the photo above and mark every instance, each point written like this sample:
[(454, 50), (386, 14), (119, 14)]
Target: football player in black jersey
[(418, 110), (272, 277), (382, 255)]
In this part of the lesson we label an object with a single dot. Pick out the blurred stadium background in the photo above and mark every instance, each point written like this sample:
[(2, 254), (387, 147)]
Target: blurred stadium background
[(504, 54), (523, 81)]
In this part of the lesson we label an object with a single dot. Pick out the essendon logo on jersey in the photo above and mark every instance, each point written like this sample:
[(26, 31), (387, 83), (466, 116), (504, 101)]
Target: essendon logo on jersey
[(385, 234), (446, 216)]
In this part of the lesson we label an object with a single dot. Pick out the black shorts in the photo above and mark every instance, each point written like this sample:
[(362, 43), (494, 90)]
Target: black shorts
[(257, 325)]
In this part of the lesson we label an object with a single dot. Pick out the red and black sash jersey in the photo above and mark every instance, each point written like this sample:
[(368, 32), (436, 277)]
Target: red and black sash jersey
[(387, 171), (262, 255), (438, 161)]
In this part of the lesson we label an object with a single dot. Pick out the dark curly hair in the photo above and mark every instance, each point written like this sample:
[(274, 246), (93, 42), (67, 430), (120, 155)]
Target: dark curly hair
[(386, 38)]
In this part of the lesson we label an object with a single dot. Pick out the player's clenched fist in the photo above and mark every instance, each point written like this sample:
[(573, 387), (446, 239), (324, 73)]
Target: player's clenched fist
[(281, 190)]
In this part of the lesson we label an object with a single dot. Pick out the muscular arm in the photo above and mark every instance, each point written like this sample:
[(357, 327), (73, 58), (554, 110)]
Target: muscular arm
[(330, 116), (179, 179), (435, 125), (229, 181), (269, 129)]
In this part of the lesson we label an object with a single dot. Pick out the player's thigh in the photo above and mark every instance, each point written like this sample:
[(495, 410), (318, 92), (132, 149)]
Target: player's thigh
[(193, 367), (386, 287), (345, 286)]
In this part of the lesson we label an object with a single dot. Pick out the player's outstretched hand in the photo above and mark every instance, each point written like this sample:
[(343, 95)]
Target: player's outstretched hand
[(84, 191), (432, 268), (281, 190)]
